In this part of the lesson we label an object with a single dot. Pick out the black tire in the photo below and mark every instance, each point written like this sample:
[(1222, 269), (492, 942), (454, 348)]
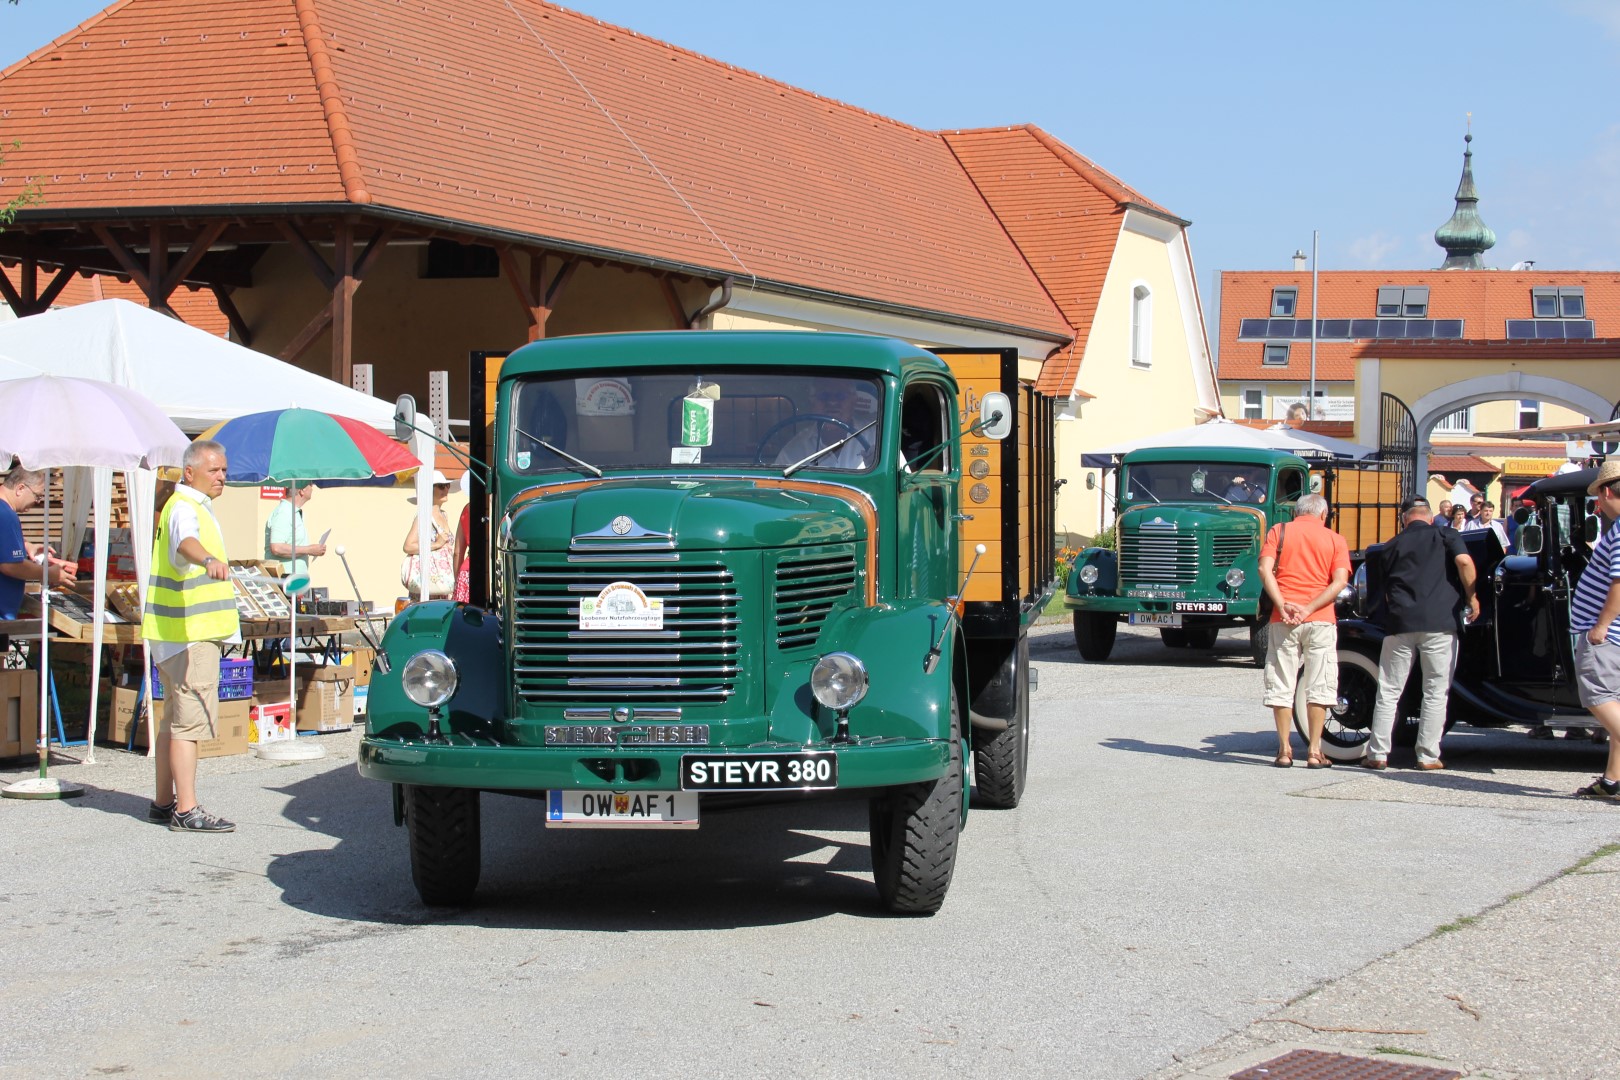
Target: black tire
[(445, 839), (1202, 637), (914, 831), (1094, 634), (1174, 637), (1257, 643), (1001, 758)]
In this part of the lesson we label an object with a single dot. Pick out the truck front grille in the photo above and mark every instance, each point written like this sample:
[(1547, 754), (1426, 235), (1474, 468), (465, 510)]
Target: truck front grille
[(1160, 559), (808, 587), (1225, 550), (693, 658)]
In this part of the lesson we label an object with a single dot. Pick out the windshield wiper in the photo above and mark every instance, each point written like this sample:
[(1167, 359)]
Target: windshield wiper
[(1223, 498), (797, 465), (1132, 494), (583, 465)]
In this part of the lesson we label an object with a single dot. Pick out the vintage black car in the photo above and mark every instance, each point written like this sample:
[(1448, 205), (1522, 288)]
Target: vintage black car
[(1516, 661)]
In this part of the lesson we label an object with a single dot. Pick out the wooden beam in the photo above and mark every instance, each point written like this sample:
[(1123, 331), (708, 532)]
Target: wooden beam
[(306, 337), (560, 282), (343, 305), (188, 262), (311, 256), (122, 254), (157, 263), (54, 289), (667, 287), (527, 290), (374, 249), (13, 299), (227, 307)]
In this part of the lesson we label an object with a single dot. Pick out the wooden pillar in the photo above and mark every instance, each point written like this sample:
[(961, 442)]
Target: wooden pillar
[(343, 289)]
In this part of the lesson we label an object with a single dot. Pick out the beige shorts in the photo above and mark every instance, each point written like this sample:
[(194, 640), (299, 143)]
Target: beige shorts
[(1311, 645), (191, 692)]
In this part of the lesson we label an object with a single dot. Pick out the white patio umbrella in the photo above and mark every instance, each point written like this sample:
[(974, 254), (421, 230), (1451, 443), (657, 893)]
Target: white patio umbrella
[(55, 422), (1223, 432)]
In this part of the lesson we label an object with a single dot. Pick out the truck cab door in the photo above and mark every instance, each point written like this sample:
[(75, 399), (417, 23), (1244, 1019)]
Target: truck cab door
[(926, 559)]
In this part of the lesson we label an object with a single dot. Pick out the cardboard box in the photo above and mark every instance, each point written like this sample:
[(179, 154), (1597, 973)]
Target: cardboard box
[(271, 723), (118, 718), (19, 714), (362, 657), (325, 697)]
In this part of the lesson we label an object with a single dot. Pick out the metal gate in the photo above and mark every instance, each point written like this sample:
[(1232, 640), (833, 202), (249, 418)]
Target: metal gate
[(1397, 441)]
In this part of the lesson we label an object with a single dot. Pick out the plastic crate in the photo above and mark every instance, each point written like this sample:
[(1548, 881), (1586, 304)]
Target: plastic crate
[(235, 680)]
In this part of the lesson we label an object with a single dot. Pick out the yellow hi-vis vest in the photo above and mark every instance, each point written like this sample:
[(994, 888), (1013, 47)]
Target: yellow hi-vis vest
[(187, 605)]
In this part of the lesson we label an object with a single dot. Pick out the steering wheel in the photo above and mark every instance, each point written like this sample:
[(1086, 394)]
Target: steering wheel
[(793, 421)]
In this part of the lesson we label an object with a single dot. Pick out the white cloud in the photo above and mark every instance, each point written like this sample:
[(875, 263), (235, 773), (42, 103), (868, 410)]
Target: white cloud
[(1371, 251), (1603, 12)]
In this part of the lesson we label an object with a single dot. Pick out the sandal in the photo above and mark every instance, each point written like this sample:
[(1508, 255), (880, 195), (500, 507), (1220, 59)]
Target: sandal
[(1283, 761), (1318, 761)]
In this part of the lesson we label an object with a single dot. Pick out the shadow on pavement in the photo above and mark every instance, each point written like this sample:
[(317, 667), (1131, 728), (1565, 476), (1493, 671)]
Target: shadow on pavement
[(768, 866)]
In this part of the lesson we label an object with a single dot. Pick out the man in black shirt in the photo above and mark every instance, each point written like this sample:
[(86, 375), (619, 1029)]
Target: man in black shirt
[(1426, 578)]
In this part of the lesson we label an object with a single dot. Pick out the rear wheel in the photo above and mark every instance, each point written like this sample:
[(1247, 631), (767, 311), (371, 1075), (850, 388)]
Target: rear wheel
[(1257, 643), (1094, 634), (1174, 637), (1001, 758), (914, 831), (445, 838), (1348, 728)]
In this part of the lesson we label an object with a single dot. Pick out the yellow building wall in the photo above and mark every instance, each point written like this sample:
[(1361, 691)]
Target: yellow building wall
[(1128, 401)]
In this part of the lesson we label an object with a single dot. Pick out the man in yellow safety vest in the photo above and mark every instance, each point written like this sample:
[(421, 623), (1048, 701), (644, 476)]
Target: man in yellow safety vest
[(190, 612)]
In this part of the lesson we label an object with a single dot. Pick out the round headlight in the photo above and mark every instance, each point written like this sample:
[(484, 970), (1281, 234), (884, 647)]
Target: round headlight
[(1358, 590), (429, 678), (1235, 578), (838, 681), (1089, 573)]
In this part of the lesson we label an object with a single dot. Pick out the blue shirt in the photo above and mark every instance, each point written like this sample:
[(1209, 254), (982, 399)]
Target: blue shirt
[(12, 550), (1593, 588)]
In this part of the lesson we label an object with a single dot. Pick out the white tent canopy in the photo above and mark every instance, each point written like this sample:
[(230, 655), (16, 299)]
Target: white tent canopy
[(1222, 432), (196, 378)]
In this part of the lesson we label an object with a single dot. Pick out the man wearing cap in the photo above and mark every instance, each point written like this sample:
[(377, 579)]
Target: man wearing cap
[(1595, 621), (1426, 579), (1240, 490), (837, 410), (190, 611)]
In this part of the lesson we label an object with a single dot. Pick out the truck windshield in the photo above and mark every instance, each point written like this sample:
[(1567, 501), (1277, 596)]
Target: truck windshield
[(1196, 481), (722, 419)]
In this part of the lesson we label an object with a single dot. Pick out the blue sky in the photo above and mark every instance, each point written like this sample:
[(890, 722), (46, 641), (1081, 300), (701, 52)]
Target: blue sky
[(1258, 122)]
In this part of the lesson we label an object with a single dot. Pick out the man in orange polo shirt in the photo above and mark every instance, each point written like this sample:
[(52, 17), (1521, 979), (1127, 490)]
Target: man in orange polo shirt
[(1303, 566)]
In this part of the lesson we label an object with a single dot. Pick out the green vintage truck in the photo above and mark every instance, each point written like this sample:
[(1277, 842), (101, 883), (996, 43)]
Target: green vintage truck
[(1187, 540), (726, 568)]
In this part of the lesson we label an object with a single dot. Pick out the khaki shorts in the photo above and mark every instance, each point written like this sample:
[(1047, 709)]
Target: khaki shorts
[(1315, 645), (191, 692)]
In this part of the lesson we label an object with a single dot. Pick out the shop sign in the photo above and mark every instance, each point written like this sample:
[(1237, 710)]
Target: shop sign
[(272, 493)]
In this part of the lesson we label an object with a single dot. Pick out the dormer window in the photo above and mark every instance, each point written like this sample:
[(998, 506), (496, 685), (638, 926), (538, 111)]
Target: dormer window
[(1275, 355), (1403, 301), (1562, 302), (1283, 302)]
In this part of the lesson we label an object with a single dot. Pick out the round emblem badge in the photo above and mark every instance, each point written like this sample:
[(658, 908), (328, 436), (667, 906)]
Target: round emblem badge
[(621, 525)]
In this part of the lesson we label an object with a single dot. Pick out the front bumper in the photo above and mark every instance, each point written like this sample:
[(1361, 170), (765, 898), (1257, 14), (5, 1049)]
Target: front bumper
[(1236, 607), (462, 762)]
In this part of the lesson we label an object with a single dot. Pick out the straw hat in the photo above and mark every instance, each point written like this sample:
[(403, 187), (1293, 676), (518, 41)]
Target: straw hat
[(1609, 474)]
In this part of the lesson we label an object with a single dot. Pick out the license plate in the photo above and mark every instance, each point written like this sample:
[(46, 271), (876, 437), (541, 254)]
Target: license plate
[(1154, 618), (621, 810), (1199, 607), (759, 772)]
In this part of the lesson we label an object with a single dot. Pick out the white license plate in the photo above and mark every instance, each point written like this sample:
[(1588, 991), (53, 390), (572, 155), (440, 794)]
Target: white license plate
[(1154, 618), (621, 810)]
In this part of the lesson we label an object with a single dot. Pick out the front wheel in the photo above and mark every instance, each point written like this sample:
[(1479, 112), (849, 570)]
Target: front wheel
[(1173, 637), (1258, 634), (1349, 720), (1094, 634), (914, 831), (1202, 637), (445, 839), (1001, 758)]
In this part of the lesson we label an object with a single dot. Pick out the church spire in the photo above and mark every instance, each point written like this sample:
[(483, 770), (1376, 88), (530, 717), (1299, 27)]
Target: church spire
[(1465, 237)]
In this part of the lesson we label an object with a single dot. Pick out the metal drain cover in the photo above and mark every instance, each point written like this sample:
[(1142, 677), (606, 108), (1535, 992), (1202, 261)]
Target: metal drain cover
[(1317, 1065)]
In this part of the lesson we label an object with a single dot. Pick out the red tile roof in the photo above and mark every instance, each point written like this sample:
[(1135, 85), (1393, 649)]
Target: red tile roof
[(521, 118), (1483, 299), (1063, 212), (1451, 464)]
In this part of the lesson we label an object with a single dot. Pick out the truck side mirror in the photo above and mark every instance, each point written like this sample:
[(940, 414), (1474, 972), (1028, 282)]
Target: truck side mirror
[(1593, 529), (1530, 539), (1091, 481), (404, 417), (995, 415), (1522, 514)]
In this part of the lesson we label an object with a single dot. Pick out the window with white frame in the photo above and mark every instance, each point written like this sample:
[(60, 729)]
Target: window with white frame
[(1141, 326), (1254, 403), (1276, 355), (1529, 415), (1460, 422), (1284, 299), (1403, 302), (1563, 302)]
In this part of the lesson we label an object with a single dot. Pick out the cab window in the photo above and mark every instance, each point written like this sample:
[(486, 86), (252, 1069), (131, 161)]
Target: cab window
[(923, 430)]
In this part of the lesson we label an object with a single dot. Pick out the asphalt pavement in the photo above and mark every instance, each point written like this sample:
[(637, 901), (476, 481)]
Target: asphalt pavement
[(1163, 904)]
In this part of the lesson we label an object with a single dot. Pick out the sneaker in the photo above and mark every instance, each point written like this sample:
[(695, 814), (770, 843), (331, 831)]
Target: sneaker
[(159, 815), (199, 820), (1595, 790)]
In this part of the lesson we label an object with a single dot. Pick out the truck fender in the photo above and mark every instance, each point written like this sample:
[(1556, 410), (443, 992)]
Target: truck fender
[(469, 636), (1107, 563), (903, 700)]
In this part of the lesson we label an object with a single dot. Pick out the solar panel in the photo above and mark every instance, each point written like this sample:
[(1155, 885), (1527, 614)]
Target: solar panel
[(1548, 329), (1420, 328), (1280, 328), (1579, 328), (1335, 329), (1521, 329), (1363, 328), (1252, 328), (1391, 328), (1448, 328)]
